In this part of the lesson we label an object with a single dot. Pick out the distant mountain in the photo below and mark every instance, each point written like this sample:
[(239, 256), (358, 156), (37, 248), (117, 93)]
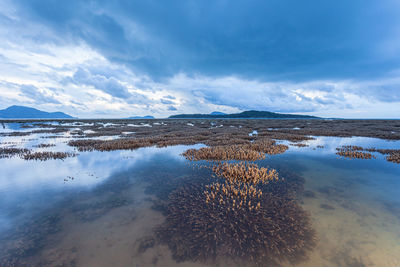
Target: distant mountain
[(21, 112), (138, 117), (251, 114), (217, 113)]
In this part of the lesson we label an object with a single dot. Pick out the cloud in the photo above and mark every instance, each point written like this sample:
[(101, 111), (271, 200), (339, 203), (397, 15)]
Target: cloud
[(166, 101), (110, 85), (275, 40), (37, 96), (169, 97), (241, 94), (172, 108), (114, 59), (384, 92)]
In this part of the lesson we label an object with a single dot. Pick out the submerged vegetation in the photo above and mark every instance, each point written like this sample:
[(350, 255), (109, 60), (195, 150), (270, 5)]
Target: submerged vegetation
[(28, 240), (21, 245), (274, 230), (236, 217)]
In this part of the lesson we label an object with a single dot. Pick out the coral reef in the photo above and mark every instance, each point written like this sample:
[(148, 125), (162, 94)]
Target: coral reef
[(15, 134), (237, 173), (294, 130), (236, 217), (267, 232), (267, 146), (28, 154), (392, 155), (229, 152), (353, 152), (234, 196), (299, 144), (145, 243), (248, 151), (47, 155), (226, 139), (27, 240), (43, 145), (8, 152)]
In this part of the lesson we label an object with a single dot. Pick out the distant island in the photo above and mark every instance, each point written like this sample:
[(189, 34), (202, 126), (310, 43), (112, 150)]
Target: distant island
[(217, 113), (251, 114), (21, 112), (139, 117)]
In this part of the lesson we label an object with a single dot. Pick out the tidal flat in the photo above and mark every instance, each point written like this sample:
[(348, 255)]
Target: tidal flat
[(200, 192)]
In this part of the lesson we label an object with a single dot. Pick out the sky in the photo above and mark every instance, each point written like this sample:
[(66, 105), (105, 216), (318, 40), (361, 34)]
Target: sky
[(115, 59)]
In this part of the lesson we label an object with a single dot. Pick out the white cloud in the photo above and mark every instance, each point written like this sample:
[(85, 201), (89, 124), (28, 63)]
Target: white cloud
[(34, 94)]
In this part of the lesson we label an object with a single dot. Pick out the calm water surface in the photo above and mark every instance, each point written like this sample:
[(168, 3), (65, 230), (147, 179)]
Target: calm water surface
[(99, 208)]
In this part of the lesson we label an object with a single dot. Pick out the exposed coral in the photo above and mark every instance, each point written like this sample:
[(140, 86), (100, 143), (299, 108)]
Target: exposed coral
[(353, 152), (392, 155), (294, 130), (234, 196), (299, 144), (16, 134), (44, 145), (232, 152), (8, 152), (247, 151), (47, 155), (245, 173), (268, 146)]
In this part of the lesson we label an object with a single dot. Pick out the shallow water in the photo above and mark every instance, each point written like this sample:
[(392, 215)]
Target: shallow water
[(101, 208)]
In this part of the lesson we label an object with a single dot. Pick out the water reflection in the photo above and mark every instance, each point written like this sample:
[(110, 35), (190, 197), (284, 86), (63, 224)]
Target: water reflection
[(330, 144), (38, 208), (102, 208)]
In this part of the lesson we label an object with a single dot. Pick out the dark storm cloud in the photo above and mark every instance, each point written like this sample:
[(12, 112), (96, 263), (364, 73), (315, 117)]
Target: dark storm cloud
[(274, 40), (199, 56)]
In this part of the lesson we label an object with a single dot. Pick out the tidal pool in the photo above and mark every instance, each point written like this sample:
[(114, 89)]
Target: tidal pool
[(104, 208)]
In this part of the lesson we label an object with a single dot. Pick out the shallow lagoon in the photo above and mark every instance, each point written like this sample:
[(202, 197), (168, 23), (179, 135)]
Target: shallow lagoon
[(99, 208)]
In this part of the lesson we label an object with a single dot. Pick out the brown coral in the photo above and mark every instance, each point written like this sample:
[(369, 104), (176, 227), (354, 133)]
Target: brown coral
[(270, 230)]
